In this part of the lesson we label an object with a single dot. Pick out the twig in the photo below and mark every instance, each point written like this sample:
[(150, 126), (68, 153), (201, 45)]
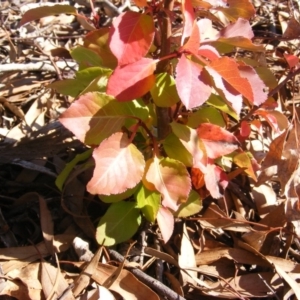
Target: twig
[(58, 72), (156, 285), (36, 66)]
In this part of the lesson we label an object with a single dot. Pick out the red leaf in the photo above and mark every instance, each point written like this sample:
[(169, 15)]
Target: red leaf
[(209, 52), (191, 83), (240, 28), (216, 181), (193, 43), (217, 140), (189, 18), (227, 91), (133, 80), (165, 221), (227, 68), (292, 60), (119, 166), (131, 36), (257, 85), (197, 178), (245, 129)]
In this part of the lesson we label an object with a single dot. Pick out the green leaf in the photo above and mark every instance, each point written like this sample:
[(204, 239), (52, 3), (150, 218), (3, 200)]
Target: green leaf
[(68, 87), (192, 206), (97, 40), (45, 11), (206, 114), (190, 140), (175, 149), (120, 223), (164, 92), (62, 177), (86, 57), (243, 160), (149, 202), (220, 104), (118, 197), (90, 79)]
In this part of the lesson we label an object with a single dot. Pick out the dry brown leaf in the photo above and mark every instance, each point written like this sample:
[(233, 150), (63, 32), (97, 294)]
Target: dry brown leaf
[(13, 108), (161, 255), (53, 283), (265, 199), (62, 242), (114, 276), (293, 29), (214, 218), (223, 267), (126, 285), (175, 284), (28, 275), (270, 165), (248, 285), (46, 223), (186, 259), (238, 255), (293, 213), (261, 239), (85, 276), (100, 293), (290, 281)]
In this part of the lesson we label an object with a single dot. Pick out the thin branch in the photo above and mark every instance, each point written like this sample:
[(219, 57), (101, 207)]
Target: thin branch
[(156, 285), (37, 66), (163, 113)]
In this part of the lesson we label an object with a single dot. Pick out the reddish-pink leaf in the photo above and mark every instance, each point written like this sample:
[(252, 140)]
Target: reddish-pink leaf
[(140, 3), (189, 18), (269, 117), (257, 85), (171, 178), (217, 140), (240, 28), (119, 166), (193, 43), (95, 116), (165, 221), (227, 91), (132, 81), (209, 52), (227, 68), (292, 60), (192, 83), (131, 36), (216, 180), (245, 129)]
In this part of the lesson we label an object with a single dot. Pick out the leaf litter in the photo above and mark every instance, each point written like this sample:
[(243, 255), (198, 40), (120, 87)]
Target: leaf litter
[(235, 248)]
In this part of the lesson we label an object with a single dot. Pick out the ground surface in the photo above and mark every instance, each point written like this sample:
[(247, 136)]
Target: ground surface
[(36, 219)]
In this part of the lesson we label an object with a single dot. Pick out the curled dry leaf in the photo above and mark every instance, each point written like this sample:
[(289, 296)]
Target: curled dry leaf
[(186, 258)]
